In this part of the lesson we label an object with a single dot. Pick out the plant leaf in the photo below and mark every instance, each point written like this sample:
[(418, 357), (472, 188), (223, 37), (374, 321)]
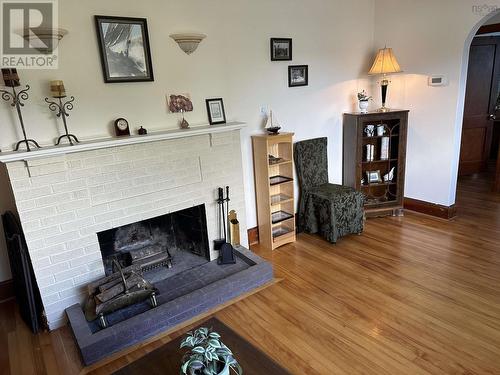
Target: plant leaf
[(185, 366), (214, 343), (196, 365), (214, 335), (198, 350), (208, 356)]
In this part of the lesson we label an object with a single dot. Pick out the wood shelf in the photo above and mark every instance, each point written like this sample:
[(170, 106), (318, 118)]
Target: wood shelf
[(274, 189), (280, 199), (283, 162), (379, 161), (97, 144), (382, 197), (278, 180), (378, 184)]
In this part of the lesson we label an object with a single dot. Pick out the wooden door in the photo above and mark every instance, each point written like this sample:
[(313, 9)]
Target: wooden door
[(480, 101)]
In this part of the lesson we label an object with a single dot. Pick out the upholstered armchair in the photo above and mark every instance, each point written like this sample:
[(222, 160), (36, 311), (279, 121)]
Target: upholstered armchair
[(331, 210)]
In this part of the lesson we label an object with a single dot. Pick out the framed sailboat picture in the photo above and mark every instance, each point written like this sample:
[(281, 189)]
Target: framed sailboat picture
[(124, 48)]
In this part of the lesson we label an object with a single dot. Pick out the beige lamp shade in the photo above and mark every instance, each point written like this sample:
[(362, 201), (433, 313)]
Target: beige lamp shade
[(385, 62)]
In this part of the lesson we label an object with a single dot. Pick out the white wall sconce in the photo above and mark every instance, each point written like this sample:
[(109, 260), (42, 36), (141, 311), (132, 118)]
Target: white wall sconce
[(45, 40), (188, 42)]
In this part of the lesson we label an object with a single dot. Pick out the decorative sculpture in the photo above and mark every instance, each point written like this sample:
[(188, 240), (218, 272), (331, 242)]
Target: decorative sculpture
[(58, 91), (11, 79)]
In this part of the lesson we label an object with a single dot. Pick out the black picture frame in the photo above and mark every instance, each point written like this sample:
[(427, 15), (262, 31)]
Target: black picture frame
[(213, 117), (302, 79), (276, 53), (115, 70)]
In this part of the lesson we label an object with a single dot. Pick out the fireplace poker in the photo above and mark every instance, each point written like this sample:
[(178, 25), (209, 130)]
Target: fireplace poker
[(226, 249)]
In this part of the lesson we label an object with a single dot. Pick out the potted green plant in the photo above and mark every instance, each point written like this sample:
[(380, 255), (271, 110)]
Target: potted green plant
[(363, 99), (207, 355)]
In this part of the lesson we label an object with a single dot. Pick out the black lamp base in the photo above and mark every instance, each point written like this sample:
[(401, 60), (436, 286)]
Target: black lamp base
[(384, 84)]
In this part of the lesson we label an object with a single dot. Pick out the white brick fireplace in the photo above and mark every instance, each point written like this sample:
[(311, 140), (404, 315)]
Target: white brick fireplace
[(64, 196)]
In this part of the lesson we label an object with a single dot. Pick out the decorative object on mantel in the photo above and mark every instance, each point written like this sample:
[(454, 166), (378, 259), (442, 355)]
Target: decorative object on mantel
[(363, 100), (385, 63), (207, 355), (223, 244), (216, 113), (298, 75), (124, 48), (188, 42), (45, 40), (123, 288), (180, 104), (58, 91), (121, 127), (272, 127), (11, 80), (281, 49), (142, 131)]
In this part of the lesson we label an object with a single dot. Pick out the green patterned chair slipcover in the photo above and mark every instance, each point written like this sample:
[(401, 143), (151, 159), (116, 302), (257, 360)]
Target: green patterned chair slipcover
[(331, 210)]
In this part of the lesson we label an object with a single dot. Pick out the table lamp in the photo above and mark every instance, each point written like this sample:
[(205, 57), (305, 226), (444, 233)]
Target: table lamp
[(385, 63)]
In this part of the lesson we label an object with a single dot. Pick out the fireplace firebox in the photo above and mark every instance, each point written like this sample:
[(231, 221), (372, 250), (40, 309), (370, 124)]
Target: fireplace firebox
[(156, 243)]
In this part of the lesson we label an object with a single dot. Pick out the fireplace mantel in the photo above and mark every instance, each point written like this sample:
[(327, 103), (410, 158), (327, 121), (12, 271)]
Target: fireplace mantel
[(6, 157)]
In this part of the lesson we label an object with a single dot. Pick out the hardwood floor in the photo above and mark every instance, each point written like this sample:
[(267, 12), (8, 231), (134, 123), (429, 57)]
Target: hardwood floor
[(412, 295)]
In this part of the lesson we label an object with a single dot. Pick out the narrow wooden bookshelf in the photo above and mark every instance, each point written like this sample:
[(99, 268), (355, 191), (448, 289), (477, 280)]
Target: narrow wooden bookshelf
[(273, 165), (379, 174)]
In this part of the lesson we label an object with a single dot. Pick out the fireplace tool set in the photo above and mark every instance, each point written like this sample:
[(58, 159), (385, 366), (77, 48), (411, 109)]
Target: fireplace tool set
[(223, 244)]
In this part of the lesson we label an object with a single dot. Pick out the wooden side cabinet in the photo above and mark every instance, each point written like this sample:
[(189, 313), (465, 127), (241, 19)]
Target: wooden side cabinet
[(273, 167), (375, 159)]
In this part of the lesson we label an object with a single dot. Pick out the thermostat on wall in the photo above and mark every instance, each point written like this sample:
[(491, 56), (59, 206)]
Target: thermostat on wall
[(438, 80)]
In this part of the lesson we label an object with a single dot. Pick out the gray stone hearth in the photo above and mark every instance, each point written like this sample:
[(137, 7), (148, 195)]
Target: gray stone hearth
[(182, 296)]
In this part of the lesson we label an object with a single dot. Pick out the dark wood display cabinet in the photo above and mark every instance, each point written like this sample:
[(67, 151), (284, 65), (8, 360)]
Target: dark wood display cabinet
[(375, 159)]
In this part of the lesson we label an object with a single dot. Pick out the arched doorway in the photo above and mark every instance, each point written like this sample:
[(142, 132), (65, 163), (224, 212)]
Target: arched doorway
[(479, 105)]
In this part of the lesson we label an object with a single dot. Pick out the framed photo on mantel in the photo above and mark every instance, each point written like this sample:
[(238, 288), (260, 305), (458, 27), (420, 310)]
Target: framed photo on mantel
[(124, 48), (215, 109)]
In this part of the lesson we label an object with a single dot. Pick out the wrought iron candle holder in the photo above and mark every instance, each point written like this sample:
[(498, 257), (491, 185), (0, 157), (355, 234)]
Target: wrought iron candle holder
[(61, 108), (11, 79)]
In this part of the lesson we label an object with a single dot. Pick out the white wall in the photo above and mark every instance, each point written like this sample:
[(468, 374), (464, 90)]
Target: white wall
[(429, 37), (333, 37)]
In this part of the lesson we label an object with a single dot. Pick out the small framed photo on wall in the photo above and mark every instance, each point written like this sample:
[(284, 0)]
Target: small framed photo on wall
[(298, 75), (281, 49), (215, 109)]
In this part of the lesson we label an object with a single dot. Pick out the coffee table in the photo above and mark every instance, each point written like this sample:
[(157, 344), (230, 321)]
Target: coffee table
[(167, 359)]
